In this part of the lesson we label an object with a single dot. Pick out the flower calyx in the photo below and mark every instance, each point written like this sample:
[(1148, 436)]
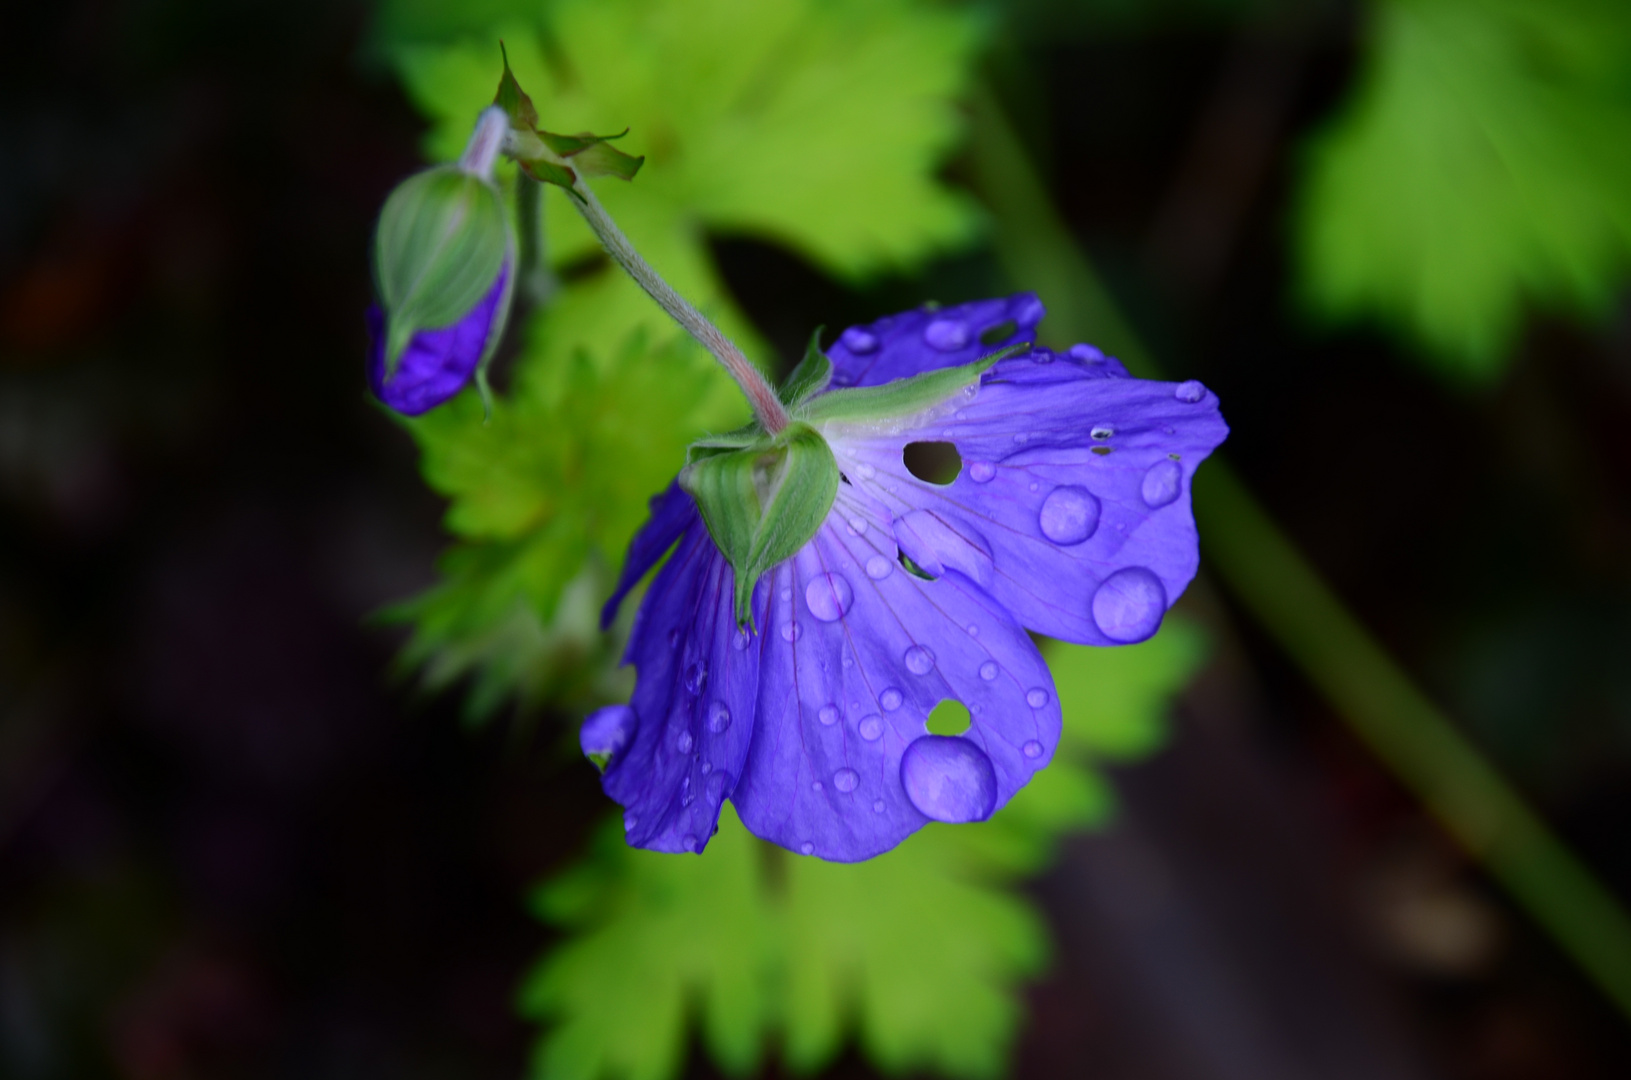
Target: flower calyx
[(557, 159)]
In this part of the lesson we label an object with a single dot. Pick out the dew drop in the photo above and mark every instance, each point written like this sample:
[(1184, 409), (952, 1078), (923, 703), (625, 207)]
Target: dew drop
[(1022, 437), (919, 660), (988, 670), (707, 767), (973, 630), (683, 742), (1189, 392), (717, 784), (981, 472), (828, 596), (791, 631), (807, 848), (846, 780), (1032, 749), (878, 567), (689, 842), (815, 785), (1162, 483), (1128, 605), (719, 718), (947, 335), (870, 727), (1103, 432), (857, 525), (877, 807), (1086, 354), (849, 661), (1036, 697), (890, 699), (827, 715), (858, 341), (786, 594), (865, 471), (740, 641), (948, 778), (696, 677), (1069, 515)]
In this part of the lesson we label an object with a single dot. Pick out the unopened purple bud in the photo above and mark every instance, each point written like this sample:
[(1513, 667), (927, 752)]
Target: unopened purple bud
[(436, 364)]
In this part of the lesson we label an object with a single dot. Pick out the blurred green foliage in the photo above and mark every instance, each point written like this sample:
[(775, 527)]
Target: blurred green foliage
[(918, 952), (814, 125), (1482, 166)]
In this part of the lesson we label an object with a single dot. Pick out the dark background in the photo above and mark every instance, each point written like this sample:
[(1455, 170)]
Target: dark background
[(231, 846)]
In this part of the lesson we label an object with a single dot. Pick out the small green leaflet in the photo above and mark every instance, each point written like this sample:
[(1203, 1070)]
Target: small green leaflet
[(918, 955), (763, 502), (1480, 167), (811, 376), (896, 402), (544, 155)]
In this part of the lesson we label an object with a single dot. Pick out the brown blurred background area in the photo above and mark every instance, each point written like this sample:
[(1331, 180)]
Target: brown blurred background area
[(232, 846)]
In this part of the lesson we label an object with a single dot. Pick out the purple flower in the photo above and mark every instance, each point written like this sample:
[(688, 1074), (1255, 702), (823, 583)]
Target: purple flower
[(1069, 516), (437, 363)]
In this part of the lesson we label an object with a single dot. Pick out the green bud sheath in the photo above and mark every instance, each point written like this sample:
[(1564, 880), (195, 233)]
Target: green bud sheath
[(443, 238)]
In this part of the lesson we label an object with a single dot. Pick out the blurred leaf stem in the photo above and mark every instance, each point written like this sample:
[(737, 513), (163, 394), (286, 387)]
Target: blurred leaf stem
[(1268, 575)]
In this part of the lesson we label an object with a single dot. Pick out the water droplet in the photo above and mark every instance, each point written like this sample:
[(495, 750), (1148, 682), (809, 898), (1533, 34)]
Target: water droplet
[(1128, 605), (673, 639), (865, 471), (1032, 749), (719, 718), (1035, 485), (688, 842), (828, 716), (607, 730), (740, 641), (707, 767), (890, 699), (919, 660), (877, 807), (947, 335), (1069, 515), (878, 567), (870, 727), (988, 670), (1086, 354), (857, 525), (786, 594), (858, 341), (1042, 355), (1162, 483), (683, 742), (807, 848), (815, 785), (1189, 392), (791, 631), (1036, 697), (1102, 432), (948, 778), (1022, 437), (973, 631), (717, 784), (629, 822), (849, 661), (828, 596), (981, 472), (696, 677), (962, 414), (846, 780)]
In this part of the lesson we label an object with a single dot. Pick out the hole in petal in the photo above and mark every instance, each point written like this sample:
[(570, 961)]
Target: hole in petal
[(933, 462), (1001, 332), (949, 718)]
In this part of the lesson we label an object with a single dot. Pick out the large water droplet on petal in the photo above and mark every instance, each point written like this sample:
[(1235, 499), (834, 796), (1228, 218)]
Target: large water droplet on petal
[(846, 780), (1069, 515), (981, 472), (829, 596), (947, 335), (878, 567), (988, 670), (919, 660), (1189, 392), (1036, 697), (606, 731), (696, 676), (807, 848), (1129, 604), (948, 778), (858, 341), (827, 715), (890, 699), (1032, 749), (741, 640), (719, 718), (870, 727), (1162, 483)]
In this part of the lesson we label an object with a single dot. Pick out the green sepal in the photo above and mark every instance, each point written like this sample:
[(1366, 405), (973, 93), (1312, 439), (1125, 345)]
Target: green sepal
[(811, 376), (592, 156), (514, 100), (713, 445), (557, 159), (763, 502), (442, 239), (900, 399)]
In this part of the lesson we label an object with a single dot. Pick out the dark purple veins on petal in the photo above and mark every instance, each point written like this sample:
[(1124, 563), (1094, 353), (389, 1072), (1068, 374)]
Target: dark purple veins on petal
[(437, 363)]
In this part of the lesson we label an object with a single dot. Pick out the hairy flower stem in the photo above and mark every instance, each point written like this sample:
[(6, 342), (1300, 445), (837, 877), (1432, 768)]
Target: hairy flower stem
[(767, 407)]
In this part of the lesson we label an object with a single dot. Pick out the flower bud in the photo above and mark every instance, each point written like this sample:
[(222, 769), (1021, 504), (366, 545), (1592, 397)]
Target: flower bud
[(444, 266)]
